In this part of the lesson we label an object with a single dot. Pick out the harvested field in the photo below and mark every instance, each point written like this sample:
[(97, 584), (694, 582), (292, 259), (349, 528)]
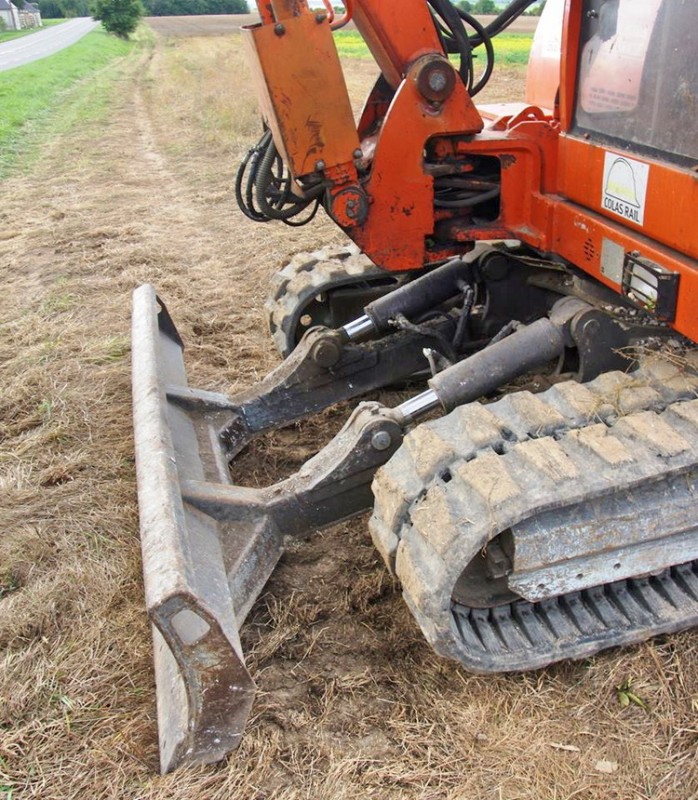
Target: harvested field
[(352, 703), (208, 25), (226, 24)]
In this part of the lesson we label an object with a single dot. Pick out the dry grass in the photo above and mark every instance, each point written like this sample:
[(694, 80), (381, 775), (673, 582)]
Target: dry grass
[(352, 703)]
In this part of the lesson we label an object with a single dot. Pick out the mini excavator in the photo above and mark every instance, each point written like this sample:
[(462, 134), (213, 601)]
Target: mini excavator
[(527, 522)]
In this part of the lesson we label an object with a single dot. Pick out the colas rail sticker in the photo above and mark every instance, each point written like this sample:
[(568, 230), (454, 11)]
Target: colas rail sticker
[(625, 187)]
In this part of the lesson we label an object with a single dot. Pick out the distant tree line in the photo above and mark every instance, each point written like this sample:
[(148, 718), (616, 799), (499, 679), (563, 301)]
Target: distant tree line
[(175, 8), (55, 9)]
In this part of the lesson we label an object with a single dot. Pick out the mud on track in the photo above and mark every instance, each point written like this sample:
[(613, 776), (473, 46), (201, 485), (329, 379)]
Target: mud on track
[(351, 703)]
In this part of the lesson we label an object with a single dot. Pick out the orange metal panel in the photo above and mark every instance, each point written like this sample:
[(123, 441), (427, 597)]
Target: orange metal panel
[(582, 237), (266, 13), (397, 33), (401, 211), (668, 198), (527, 153), (543, 73), (571, 32), (302, 92)]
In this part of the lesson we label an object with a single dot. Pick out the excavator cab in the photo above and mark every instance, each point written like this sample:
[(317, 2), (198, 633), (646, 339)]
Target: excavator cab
[(530, 269)]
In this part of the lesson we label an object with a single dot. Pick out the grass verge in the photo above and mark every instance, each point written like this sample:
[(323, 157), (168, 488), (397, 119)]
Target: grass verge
[(44, 98), (510, 48)]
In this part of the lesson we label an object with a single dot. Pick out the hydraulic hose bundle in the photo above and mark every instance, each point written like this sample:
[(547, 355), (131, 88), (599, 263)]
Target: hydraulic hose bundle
[(268, 187)]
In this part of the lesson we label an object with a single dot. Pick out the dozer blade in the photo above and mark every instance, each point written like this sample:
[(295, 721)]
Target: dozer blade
[(209, 546), (204, 692)]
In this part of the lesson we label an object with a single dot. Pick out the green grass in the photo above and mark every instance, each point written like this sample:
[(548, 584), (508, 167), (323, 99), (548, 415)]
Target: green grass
[(509, 48), (512, 48), (46, 97), (7, 35), (350, 44)]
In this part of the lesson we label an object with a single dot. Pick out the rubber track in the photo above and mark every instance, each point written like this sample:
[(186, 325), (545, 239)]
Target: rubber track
[(306, 276), (458, 481)]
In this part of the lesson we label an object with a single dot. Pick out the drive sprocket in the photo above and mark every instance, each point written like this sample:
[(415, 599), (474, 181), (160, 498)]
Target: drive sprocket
[(584, 480)]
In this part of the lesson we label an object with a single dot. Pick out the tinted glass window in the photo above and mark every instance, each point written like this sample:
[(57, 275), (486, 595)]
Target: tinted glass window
[(638, 74)]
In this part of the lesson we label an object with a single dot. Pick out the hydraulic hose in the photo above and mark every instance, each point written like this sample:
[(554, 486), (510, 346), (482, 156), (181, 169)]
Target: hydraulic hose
[(449, 21), (268, 196), (264, 180), (420, 295)]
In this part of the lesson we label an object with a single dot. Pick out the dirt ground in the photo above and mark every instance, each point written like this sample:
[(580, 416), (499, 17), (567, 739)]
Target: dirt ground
[(352, 703)]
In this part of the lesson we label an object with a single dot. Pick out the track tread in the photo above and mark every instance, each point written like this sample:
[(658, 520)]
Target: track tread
[(306, 276), (561, 447)]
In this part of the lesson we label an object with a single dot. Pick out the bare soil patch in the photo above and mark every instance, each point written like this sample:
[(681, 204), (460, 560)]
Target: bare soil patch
[(352, 703)]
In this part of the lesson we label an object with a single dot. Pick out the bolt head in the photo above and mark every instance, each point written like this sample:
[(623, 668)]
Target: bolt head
[(381, 440), (326, 353), (437, 81), (592, 327), (279, 29)]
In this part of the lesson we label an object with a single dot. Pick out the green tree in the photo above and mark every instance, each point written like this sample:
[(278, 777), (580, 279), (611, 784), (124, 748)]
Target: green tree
[(50, 9), (465, 5), (485, 7), (119, 17), (74, 8), (241, 7)]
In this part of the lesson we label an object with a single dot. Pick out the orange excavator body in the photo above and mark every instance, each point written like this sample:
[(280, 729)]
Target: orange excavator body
[(552, 171), (524, 529)]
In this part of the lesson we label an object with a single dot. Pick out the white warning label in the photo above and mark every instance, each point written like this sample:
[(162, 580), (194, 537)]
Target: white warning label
[(625, 187)]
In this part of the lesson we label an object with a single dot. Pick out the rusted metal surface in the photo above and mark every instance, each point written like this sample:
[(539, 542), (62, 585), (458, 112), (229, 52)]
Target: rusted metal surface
[(302, 93), (396, 36), (321, 371), (204, 691), (622, 535)]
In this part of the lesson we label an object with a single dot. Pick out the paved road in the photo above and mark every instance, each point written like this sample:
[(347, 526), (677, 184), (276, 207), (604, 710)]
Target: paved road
[(43, 43)]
